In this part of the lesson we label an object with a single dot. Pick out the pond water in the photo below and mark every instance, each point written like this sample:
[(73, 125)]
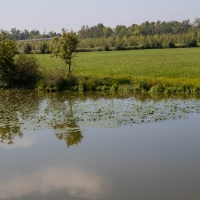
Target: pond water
[(99, 146)]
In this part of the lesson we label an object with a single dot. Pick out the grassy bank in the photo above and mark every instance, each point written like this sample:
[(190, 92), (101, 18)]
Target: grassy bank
[(166, 70)]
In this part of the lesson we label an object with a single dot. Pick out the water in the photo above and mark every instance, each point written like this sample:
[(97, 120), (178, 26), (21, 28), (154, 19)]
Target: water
[(98, 147)]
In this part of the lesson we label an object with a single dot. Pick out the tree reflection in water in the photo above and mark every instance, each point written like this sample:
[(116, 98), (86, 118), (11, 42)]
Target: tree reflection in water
[(71, 138), (66, 112), (8, 135), (69, 130), (31, 111)]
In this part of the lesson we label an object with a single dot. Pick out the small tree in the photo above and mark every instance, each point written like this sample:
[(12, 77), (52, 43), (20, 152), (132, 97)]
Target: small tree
[(27, 48), (7, 53), (43, 48), (65, 46)]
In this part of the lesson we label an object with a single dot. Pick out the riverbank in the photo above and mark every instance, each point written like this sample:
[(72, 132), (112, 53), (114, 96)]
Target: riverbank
[(153, 71)]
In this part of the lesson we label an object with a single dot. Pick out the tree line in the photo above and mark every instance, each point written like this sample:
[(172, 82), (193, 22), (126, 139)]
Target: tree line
[(146, 28), (99, 30), (147, 35), (17, 34)]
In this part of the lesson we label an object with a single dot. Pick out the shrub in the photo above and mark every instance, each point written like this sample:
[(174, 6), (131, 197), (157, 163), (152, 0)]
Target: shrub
[(119, 47), (7, 53), (191, 43), (43, 48), (171, 45), (67, 83), (106, 47), (27, 48), (26, 70), (123, 81), (56, 79)]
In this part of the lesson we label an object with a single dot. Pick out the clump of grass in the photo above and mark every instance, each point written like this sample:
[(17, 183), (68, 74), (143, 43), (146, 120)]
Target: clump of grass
[(141, 84)]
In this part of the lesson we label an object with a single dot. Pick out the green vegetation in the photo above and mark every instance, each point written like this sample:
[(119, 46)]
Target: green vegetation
[(166, 71), (27, 72), (170, 70), (27, 48), (21, 70), (64, 47), (147, 35), (7, 53)]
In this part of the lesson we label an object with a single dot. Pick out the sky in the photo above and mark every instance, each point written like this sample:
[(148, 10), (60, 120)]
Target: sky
[(48, 15)]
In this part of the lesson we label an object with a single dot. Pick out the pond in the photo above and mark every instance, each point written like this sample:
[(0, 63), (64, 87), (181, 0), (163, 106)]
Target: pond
[(99, 146)]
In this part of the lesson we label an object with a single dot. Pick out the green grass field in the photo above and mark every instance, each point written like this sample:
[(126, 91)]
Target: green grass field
[(170, 63), (168, 67)]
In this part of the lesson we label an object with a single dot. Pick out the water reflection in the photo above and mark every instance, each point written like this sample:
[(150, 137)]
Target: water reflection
[(26, 142), (71, 138), (76, 182), (8, 135), (66, 113)]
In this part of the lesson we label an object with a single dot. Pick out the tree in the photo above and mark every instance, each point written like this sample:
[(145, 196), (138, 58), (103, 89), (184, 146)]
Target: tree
[(84, 32), (7, 53), (43, 48), (96, 31), (107, 32), (120, 30), (64, 47), (27, 49)]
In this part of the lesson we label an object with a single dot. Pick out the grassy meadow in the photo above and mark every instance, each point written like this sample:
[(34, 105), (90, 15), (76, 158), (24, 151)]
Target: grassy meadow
[(158, 70)]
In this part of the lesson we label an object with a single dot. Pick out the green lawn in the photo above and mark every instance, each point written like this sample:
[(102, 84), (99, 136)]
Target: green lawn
[(169, 63)]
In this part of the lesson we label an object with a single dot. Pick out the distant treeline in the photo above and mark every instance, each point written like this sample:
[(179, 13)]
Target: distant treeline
[(33, 34), (146, 28), (146, 35)]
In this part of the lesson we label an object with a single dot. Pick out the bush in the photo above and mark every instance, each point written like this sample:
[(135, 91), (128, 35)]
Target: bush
[(44, 48), (7, 53), (106, 47), (123, 81), (171, 45), (27, 49), (56, 79), (119, 47), (26, 70), (191, 43)]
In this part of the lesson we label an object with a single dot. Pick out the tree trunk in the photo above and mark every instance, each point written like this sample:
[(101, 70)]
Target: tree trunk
[(70, 63)]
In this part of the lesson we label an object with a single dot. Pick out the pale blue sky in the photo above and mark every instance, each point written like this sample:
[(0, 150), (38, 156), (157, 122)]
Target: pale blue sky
[(54, 14)]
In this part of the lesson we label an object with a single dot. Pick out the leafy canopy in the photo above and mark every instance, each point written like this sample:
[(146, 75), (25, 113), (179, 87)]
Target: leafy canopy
[(65, 46), (7, 53)]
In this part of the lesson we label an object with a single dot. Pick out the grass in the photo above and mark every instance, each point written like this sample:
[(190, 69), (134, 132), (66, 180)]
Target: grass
[(177, 70)]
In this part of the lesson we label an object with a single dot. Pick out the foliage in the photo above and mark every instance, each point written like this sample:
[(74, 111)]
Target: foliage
[(44, 48), (7, 53), (55, 79), (64, 47), (99, 30), (171, 45), (27, 48), (129, 41), (26, 70), (191, 43)]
